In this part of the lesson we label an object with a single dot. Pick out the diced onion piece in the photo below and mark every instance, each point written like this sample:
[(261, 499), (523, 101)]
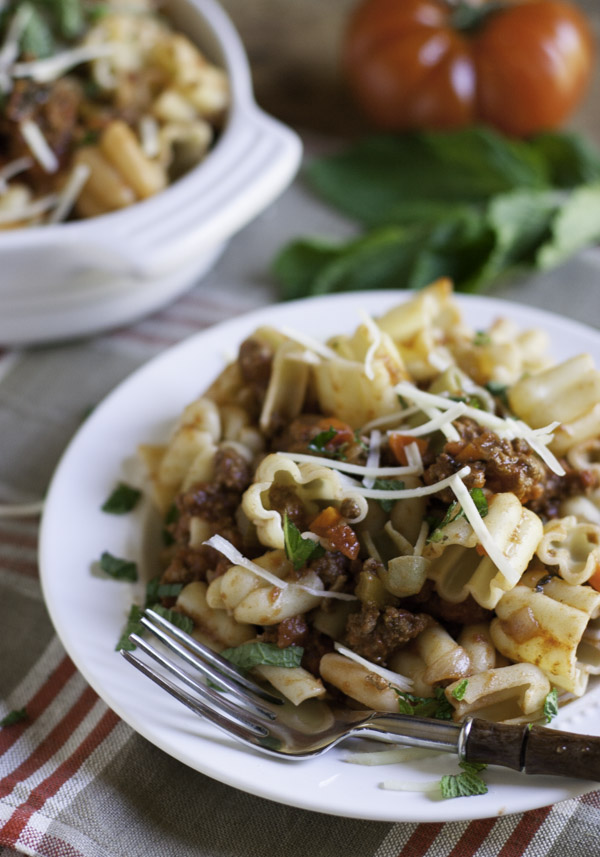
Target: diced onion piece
[(38, 145), (395, 679)]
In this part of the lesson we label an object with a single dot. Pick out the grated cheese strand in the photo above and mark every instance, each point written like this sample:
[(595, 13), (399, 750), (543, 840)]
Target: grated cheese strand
[(12, 169), (407, 493), (51, 68), (373, 457), (395, 679), (38, 146), (233, 555), (438, 420), (346, 467), (375, 333), (29, 211), (70, 193), (481, 531)]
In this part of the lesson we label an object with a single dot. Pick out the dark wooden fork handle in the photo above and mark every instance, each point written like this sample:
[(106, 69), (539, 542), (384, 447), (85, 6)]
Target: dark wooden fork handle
[(532, 749)]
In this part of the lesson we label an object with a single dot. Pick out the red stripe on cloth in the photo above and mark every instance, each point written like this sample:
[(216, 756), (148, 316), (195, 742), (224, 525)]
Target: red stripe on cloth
[(53, 742), (14, 827), (524, 832), (39, 702), (591, 799), (20, 565), (20, 538), (472, 838), (421, 840)]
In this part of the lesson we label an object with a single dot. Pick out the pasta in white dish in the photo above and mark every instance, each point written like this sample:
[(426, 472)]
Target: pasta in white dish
[(402, 507)]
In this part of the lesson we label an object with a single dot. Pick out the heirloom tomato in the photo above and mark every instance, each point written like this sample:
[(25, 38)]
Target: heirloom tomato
[(521, 66)]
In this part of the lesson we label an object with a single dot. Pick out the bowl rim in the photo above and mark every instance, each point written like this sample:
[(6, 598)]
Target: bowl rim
[(237, 67)]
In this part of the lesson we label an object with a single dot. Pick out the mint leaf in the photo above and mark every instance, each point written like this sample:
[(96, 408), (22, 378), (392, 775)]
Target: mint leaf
[(123, 499), (132, 626), (155, 590), (388, 485), (298, 549), (180, 620), (551, 705), (436, 706), (118, 569), (460, 689), (320, 441), (13, 717), (255, 654), (466, 784), (452, 514)]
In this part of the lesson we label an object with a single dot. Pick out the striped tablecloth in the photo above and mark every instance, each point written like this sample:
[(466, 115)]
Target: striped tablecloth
[(74, 779)]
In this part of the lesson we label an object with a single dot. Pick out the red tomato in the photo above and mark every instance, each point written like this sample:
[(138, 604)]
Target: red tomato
[(522, 67)]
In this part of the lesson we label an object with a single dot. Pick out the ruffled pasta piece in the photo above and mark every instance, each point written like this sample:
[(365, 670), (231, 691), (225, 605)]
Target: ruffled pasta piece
[(477, 642), (421, 328), (229, 590), (505, 693), (188, 456), (287, 386), (572, 546), (586, 456), (216, 628), (543, 624), (295, 683), (459, 570), (503, 354), (311, 483), (568, 393), (434, 658), (358, 682), (359, 386)]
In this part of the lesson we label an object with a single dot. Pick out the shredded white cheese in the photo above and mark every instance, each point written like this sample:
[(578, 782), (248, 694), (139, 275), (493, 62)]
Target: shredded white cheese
[(439, 420), (375, 334), (481, 531), (421, 539), (508, 429), (51, 68), (411, 786), (373, 457), (395, 679), (346, 467), (391, 419), (406, 493), (12, 169), (38, 145), (29, 211), (233, 555), (149, 136), (70, 193), (10, 47), (395, 756)]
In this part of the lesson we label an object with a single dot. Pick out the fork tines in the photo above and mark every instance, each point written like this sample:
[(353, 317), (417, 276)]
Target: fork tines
[(225, 693)]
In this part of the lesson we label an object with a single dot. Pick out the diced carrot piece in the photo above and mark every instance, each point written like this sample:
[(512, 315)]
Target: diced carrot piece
[(399, 442), (594, 580), (343, 432), (330, 526)]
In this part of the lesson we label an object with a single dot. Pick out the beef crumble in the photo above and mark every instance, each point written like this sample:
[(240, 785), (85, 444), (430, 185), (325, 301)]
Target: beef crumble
[(376, 633)]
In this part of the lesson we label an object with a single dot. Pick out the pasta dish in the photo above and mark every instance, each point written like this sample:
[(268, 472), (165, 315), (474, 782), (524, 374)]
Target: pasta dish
[(103, 104), (405, 517)]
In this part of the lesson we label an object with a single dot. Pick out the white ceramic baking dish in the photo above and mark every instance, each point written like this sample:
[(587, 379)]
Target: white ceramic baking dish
[(78, 278)]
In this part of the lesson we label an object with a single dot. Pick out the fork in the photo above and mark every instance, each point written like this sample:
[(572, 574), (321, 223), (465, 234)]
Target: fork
[(262, 720)]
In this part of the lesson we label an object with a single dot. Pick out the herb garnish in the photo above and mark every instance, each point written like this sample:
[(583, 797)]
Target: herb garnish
[(117, 568), (551, 705), (499, 391), (319, 444), (482, 338), (298, 549), (255, 654), (388, 485), (436, 706), (155, 590), (13, 717), (132, 626), (122, 500), (460, 689), (466, 784)]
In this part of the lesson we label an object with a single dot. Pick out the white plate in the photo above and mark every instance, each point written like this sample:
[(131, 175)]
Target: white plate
[(89, 612)]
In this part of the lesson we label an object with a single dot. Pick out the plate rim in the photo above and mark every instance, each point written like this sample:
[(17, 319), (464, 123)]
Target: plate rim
[(441, 812)]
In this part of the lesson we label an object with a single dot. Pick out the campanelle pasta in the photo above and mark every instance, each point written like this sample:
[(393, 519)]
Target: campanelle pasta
[(410, 509)]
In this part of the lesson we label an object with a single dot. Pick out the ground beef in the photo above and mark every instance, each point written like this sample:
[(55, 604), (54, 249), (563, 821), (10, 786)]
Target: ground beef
[(376, 633), (292, 631), (284, 500), (190, 564), (255, 359), (232, 470), (334, 569), (504, 466)]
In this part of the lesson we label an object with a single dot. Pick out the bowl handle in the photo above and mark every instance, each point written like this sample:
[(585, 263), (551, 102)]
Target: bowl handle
[(252, 164)]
